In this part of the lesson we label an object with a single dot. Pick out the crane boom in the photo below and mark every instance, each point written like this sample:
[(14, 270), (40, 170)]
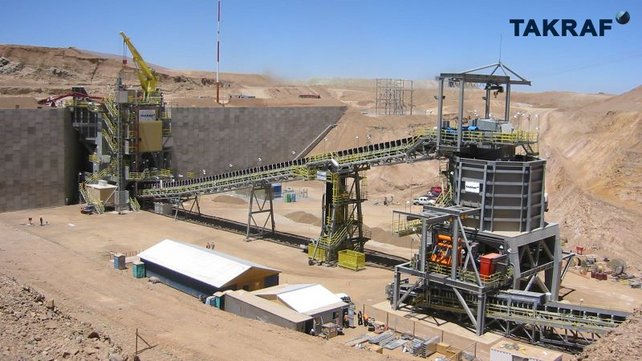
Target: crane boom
[(146, 75)]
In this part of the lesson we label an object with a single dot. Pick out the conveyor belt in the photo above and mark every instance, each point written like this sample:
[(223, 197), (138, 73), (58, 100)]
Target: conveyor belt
[(420, 147), (577, 318), (557, 323)]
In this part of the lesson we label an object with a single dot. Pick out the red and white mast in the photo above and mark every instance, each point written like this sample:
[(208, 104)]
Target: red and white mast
[(218, 49)]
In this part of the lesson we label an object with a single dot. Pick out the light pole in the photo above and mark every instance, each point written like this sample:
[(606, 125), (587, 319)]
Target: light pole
[(357, 138), (412, 241)]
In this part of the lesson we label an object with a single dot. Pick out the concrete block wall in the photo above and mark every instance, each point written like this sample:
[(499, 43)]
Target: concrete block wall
[(41, 152), (214, 138), (38, 158)]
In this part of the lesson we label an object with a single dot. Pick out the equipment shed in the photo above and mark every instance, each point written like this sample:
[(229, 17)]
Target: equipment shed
[(201, 272), (313, 300), (248, 305)]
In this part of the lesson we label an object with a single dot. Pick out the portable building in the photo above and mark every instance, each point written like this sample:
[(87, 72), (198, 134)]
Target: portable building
[(248, 305), (313, 300), (201, 272)]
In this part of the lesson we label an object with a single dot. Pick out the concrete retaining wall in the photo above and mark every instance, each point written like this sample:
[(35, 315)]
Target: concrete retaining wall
[(42, 155), (39, 160), (214, 138)]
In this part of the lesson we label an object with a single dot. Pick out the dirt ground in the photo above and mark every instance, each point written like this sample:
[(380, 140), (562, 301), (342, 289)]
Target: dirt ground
[(68, 261)]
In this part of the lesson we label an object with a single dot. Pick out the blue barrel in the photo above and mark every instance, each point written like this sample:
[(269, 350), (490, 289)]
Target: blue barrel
[(277, 190)]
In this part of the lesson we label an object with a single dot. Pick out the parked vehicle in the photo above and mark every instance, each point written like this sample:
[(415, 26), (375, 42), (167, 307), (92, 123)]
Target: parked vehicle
[(424, 201), (88, 209), (344, 297)]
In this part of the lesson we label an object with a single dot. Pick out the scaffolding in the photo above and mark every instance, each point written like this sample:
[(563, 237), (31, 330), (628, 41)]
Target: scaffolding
[(394, 97)]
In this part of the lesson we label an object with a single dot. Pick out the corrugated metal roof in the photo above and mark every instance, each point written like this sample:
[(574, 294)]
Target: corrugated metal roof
[(328, 307), (309, 298), (268, 306), (278, 289), (208, 266)]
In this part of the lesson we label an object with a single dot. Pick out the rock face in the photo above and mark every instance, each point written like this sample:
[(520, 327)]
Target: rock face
[(623, 343), (34, 329)]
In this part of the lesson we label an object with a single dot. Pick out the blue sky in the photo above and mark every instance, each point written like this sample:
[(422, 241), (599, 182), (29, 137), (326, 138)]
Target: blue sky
[(302, 39)]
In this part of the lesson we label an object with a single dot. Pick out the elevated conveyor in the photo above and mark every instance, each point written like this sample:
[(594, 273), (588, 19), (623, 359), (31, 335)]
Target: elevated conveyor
[(421, 146), (554, 323), (528, 314)]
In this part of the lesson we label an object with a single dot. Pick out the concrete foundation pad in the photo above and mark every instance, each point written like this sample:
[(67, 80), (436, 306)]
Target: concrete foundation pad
[(439, 325)]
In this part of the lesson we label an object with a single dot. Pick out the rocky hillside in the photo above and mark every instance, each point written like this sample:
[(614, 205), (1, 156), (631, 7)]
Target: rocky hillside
[(33, 328)]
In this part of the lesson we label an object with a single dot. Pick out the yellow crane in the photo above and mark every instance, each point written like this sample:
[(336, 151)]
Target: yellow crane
[(146, 75)]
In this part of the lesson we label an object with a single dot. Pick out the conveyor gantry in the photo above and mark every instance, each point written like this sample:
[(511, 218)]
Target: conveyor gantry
[(406, 150), (419, 147), (555, 323), (547, 322)]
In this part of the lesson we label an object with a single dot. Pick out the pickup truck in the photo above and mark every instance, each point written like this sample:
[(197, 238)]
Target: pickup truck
[(424, 201)]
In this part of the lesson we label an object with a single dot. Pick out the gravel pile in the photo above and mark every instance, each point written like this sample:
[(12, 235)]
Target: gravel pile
[(623, 343), (32, 328)]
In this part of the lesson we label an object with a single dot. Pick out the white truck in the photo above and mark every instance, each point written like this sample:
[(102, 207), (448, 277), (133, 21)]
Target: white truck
[(424, 201)]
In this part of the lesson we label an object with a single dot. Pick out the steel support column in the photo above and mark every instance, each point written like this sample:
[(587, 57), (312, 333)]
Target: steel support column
[(440, 113), (264, 205), (460, 115), (481, 314)]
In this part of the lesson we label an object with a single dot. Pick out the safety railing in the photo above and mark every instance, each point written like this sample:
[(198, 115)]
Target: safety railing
[(133, 203), (568, 320), (494, 280), (337, 237), (110, 125), (286, 171), (97, 203), (444, 198), (516, 137), (148, 174), (110, 140), (405, 227), (94, 158)]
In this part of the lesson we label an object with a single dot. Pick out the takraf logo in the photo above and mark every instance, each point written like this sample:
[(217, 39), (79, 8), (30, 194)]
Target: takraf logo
[(566, 27)]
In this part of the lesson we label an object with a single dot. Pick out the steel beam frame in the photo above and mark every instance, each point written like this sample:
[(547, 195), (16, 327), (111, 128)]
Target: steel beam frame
[(393, 95), (263, 205)]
